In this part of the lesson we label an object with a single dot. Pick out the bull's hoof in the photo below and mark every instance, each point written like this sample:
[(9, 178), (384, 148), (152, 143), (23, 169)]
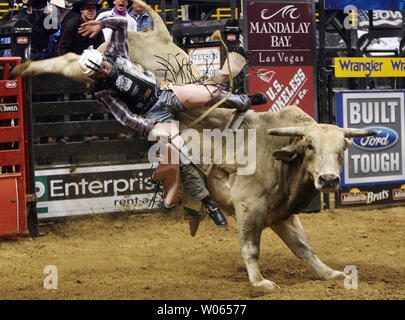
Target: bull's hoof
[(334, 275), (267, 284)]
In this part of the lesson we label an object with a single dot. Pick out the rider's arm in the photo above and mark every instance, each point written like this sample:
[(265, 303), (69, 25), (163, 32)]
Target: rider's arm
[(122, 113)]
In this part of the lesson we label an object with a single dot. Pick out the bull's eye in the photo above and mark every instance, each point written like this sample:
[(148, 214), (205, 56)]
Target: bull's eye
[(310, 146)]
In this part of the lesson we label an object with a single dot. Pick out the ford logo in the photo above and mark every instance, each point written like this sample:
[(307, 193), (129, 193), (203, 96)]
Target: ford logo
[(385, 139)]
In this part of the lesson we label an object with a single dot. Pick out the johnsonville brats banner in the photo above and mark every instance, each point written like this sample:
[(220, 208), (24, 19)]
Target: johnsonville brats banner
[(374, 167), (280, 41)]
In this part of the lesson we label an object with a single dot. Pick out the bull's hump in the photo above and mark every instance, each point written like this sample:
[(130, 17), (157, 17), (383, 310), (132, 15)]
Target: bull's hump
[(294, 114), (290, 116)]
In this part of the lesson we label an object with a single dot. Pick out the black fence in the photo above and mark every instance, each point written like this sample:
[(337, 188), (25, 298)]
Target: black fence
[(70, 127)]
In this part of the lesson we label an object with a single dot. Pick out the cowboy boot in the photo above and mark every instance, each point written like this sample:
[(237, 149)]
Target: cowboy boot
[(240, 102), (214, 212)]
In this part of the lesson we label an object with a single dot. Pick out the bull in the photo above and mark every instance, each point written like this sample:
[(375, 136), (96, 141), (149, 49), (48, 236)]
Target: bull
[(296, 157)]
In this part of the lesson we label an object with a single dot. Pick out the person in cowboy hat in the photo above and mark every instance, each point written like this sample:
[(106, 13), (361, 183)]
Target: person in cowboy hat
[(134, 97), (70, 40), (119, 9)]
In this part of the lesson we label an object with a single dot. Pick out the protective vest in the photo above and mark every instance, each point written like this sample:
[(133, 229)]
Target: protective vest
[(138, 87)]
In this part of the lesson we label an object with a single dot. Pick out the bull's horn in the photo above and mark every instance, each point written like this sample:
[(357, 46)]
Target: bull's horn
[(290, 131), (353, 133), (216, 35)]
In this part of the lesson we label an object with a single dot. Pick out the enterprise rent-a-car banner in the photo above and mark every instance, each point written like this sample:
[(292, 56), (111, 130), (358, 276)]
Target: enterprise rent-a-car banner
[(374, 167), (68, 192)]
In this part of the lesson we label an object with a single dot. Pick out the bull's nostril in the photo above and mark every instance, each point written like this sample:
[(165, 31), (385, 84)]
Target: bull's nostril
[(328, 180), (321, 180)]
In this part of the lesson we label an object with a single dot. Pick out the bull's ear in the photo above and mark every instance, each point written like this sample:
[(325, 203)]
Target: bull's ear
[(348, 143), (287, 154)]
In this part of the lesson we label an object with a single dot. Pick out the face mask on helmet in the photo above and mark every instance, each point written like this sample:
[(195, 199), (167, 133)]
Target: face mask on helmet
[(91, 61)]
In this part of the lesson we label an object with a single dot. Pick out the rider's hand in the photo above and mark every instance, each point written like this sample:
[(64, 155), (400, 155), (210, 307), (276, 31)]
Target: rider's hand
[(90, 28)]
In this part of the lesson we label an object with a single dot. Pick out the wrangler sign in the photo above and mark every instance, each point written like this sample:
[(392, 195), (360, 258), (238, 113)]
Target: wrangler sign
[(369, 67)]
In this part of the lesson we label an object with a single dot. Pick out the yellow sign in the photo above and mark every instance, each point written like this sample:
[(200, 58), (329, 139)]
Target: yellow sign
[(369, 67)]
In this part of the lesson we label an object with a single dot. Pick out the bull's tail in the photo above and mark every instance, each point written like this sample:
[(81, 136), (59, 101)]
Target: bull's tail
[(159, 26)]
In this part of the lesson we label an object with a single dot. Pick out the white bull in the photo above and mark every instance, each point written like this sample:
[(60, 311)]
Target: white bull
[(290, 171), (296, 158)]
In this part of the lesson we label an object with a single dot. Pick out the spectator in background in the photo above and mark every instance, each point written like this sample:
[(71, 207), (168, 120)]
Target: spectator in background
[(59, 9), (35, 12), (70, 40), (142, 18), (9, 16), (120, 10)]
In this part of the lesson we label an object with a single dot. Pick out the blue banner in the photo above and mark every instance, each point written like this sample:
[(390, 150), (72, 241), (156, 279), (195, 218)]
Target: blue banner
[(366, 4)]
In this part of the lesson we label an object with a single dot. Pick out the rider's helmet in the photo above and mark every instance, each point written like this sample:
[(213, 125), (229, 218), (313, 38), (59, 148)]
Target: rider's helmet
[(90, 61)]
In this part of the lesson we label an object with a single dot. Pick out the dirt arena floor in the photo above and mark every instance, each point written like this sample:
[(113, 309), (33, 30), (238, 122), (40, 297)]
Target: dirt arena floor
[(153, 256)]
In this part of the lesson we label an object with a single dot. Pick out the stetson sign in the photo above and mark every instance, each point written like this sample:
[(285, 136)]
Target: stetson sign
[(280, 40), (374, 167)]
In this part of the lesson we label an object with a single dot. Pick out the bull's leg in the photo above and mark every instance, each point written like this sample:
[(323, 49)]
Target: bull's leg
[(292, 233), (250, 215), (66, 65)]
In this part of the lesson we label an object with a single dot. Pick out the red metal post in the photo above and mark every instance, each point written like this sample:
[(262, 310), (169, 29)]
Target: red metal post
[(14, 177)]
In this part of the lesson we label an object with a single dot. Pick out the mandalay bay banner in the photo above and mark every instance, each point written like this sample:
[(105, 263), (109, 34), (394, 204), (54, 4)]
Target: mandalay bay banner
[(280, 40)]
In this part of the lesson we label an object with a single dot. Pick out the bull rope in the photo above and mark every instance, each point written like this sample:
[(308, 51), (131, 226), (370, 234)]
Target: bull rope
[(215, 36)]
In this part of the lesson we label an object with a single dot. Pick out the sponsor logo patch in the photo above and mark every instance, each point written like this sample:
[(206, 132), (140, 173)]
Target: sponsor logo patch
[(11, 84), (356, 196), (399, 194), (231, 37), (9, 108), (385, 139), (22, 40)]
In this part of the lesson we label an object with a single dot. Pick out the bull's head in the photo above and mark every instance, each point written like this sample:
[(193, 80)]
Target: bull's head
[(321, 150)]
